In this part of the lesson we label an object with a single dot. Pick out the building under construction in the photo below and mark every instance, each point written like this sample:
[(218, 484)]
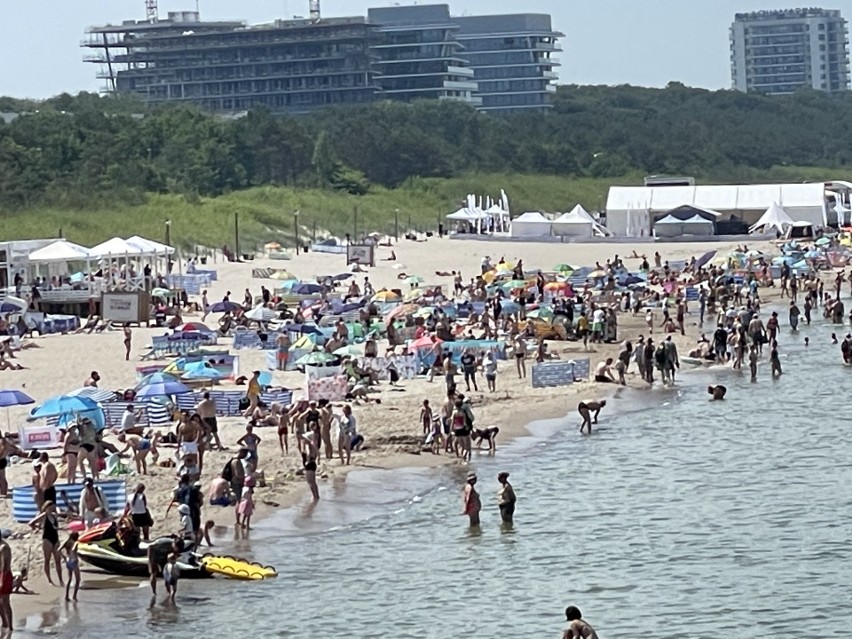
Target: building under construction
[(295, 66)]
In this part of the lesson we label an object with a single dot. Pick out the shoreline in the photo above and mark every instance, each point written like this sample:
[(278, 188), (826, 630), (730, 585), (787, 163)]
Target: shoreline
[(391, 429)]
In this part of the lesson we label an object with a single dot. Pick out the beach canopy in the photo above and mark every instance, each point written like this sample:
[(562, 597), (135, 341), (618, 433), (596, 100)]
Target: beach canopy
[(117, 247), (774, 218), (60, 251)]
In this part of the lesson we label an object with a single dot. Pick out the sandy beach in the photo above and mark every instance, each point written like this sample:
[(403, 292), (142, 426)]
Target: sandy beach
[(392, 430)]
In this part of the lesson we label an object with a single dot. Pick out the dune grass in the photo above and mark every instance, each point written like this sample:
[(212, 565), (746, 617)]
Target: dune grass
[(267, 213)]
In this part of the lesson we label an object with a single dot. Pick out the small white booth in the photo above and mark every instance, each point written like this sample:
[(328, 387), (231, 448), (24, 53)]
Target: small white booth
[(577, 223), (531, 224)]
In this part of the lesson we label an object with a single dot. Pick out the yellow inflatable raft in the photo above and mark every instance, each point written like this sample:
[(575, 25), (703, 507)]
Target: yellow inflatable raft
[(235, 568)]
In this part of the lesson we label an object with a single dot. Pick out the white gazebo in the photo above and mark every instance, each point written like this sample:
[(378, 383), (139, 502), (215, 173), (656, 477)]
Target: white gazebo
[(58, 252), (150, 246)]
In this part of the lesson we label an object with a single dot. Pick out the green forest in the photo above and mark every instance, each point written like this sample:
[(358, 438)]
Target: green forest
[(92, 167)]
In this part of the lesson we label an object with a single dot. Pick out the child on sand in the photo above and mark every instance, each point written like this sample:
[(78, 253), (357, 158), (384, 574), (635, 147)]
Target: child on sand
[(246, 508), (18, 580), (426, 417), (72, 563)]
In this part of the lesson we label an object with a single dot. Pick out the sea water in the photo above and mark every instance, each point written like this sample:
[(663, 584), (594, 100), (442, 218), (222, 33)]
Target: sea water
[(687, 518)]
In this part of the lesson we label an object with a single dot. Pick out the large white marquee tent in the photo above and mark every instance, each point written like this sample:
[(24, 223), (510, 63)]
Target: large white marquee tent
[(630, 209)]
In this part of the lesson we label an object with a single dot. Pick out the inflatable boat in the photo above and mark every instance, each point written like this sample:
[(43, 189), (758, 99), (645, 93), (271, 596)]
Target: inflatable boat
[(235, 568)]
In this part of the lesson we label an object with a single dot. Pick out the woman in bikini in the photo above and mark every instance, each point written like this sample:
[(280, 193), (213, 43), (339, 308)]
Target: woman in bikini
[(127, 340), (49, 539)]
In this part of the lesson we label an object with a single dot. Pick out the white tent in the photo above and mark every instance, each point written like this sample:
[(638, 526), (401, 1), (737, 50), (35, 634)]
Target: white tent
[(629, 208), (800, 231), (574, 224), (532, 224), (462, 215), (118, 248), (774, 218), (669, 226), (60, 251), (697, 225), (150, 246)]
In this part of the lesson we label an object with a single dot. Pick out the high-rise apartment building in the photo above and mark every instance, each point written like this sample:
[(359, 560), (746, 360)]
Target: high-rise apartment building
[(396, 53), (778, 52), (512, 59)]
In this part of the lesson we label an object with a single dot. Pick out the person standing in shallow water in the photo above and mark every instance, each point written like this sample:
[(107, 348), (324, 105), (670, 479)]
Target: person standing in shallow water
[(506, 498), (472, 504), (774, 360)]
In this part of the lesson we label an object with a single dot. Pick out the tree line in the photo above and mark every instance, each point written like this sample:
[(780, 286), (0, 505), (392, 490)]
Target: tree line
[(71, 150)]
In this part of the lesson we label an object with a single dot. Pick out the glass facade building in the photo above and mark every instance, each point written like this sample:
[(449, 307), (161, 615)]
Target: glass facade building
[(419, 55), (495, 63), (513, 59), (778, 52)]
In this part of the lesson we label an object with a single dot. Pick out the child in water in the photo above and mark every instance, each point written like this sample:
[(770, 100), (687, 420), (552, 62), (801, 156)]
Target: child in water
[(246, 508), (171, 573), (72, 563)]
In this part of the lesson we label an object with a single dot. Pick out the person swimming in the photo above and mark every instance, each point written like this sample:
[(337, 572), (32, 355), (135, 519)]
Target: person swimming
[(718, 391)]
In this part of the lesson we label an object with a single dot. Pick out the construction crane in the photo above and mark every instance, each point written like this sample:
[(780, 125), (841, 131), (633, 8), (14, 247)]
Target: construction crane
[(152, 13)]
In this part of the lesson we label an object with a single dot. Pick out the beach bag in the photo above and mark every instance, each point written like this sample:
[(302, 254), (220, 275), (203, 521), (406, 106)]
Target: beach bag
[(244, 403)]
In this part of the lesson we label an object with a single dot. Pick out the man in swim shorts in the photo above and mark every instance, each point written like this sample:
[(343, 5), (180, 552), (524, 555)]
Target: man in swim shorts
[(47, 478), (6, 581), (585, 409), (206, 409)]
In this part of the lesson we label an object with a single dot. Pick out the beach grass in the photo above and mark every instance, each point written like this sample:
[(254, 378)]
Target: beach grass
[(267, 213)]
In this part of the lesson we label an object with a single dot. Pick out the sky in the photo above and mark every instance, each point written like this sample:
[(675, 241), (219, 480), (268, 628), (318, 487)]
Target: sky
[(645, 42)]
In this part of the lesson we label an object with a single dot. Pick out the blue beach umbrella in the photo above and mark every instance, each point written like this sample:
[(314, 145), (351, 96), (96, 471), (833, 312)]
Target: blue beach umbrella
[(156, 378), (64, 405), (306, 288), (222, 307), (96, 416), (14, 398), (162, 389)]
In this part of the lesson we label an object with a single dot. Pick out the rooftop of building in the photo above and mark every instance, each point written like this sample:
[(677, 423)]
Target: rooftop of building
[(505, 23), (791, 14)]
